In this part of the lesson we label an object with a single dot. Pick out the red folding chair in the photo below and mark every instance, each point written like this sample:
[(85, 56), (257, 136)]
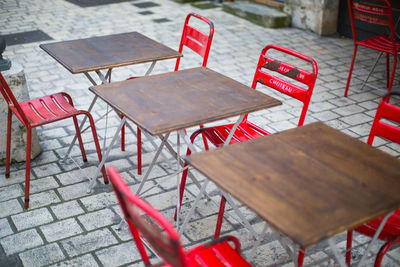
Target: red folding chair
[(382, 127), (39, 112), (378, 12), (145, 221), (269, 72), (197, 41)]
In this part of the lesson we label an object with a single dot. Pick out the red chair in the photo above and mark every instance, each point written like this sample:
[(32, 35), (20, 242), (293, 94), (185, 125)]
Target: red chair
[(197, 41), (378, 12), (145, 221), (39, 112), (391, 231), (269, 72)]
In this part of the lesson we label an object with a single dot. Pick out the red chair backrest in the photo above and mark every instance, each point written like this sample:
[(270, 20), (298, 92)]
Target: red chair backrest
[(195, 39), (268, 66), (377, 12), (390, 113), (12, 101), (146, 221)]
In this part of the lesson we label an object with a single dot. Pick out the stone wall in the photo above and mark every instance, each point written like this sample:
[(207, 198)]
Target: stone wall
[(17, 82), (319, 16)]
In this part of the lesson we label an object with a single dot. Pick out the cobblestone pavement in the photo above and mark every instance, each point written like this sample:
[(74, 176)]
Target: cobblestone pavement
[(64, 225)]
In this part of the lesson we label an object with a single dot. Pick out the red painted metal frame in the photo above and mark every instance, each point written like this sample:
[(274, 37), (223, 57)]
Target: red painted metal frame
[(380, 15), (391, 231), (39, 112), (197, 41), (247, 130), (145, 221)]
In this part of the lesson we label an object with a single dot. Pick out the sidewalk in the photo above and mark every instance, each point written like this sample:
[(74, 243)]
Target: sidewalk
[(64, 226)]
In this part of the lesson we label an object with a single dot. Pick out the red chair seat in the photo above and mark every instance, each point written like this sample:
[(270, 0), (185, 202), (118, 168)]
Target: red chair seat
[(245, 131), (380, 43), (390, 231), (48, 109)]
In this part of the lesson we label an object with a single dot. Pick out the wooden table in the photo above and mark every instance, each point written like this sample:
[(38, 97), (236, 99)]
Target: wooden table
[(309, 183), (105, 53), (161, 104), (110, 51)]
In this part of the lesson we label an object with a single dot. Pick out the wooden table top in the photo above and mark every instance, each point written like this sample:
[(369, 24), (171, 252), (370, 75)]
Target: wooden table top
[(109, 51), (177, 100), (309, 183)]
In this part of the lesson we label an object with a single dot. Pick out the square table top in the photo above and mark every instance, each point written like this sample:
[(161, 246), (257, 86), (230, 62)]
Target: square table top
[(104, 52), (309, 183), (174, 101)]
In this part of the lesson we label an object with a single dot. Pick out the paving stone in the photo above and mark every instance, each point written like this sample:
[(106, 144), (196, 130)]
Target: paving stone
[(99, 201), (85, 243), (61, 229), (46, 170), (85, 260), (119, 254), (10, 207), (32, 218), (43, 184), (42, 199), (98, 219), (67, 209), (5, 228), (75, 176), (10, 192), (356, 119), (42, 256), (21, 241), (73, 191)]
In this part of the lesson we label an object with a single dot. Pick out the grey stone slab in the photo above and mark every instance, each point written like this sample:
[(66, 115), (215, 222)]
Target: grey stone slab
[(43, 184), (47, 169), (86, 260), (5, 228), (61, 229), (356, 119), (88, 242), (32, 218), (42, 256), (10, 192), (21, 241), (75, 176), (98, 219), (43, 199), (119, 255), (67, 209), (10, 207), (99, 201), (73, 191)]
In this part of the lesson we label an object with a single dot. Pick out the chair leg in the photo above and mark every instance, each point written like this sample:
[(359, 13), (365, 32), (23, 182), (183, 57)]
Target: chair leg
[(348, 246), (300, 257), (98, 149), (28, 165), (220, 217), (79, 136), (384, 249), (372, 69), (183, 183), (387, 70), (393, 72), (8, 149), (351, 70), (139, 150), (122, 135)]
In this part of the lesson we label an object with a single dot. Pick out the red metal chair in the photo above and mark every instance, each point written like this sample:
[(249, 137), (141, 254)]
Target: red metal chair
[(269, 72), (39, 112), (197, 41), (391, 231), (145, 221), (377, 12)]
